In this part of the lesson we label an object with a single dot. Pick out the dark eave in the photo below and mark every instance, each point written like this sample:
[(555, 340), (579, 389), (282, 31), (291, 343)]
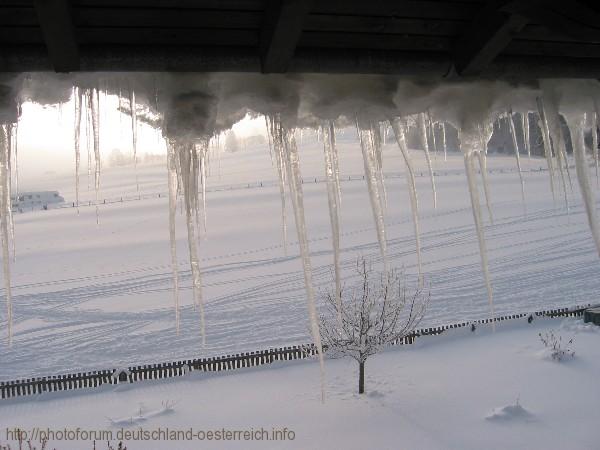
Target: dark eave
[(452, 39)]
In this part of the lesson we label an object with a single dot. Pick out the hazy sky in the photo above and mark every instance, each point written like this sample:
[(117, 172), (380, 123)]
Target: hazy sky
[(45, 136)]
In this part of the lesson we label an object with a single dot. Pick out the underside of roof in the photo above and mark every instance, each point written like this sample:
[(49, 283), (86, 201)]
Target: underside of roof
[(440, 39)]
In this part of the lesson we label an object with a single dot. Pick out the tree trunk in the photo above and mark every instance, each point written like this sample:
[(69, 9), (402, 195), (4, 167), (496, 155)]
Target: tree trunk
[(361, 377)]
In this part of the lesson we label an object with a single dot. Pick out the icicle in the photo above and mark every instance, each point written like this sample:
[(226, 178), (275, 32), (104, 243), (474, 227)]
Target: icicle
[(218, 147), (511, 122), (133, 107), (188, 173), (370, 167), (172, 180), (270, 140), (16, 155), (399, 128), (5, 212), (77, 99), (203, 162), (431, 126), (594, 119), (576, 123), (469, 140), (525, 125), (88, 136), (120, 107), (423, 132), (94, 108), (336, 167), (195, 170), (543, 124), (482, 156), (378, 152), (285, 139), (558, 141), (9, 140), (444, 141), (334, 218), (277, 150)]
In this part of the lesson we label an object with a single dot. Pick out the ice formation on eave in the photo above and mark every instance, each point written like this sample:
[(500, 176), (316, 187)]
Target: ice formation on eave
[(333, 200), (193, 108)]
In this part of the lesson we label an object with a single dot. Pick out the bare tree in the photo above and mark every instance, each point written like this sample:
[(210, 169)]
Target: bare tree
[(376, 311)]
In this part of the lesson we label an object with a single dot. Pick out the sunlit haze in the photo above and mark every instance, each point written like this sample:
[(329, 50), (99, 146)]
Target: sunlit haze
[(45, 136)]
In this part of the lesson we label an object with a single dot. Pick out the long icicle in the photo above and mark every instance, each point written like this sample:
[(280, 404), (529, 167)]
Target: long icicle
[(373, 187), (88, 136), (469, 142), (594, 126), (399, 127), (77, 100), (188, 173), (334, 213), (172, 180), (94, 108), (277, 152), (557, 140), (203, 174), (5, 207), (195, 170), (423, 132), (431, 125), (16, 155), (444, 141), (513, 133), (525, 125), (543, 124), (482, 156), (285, 139), (133, 107), (375, 136), (336, 167), (576, 124), (11, 223)]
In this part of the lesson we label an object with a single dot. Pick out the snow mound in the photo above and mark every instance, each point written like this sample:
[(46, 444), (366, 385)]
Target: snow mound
[(142, 415), (509, 413), (576, 325)]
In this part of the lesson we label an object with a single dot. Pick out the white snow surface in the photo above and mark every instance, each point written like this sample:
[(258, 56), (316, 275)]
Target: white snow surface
[(433, 395), (88, 297)]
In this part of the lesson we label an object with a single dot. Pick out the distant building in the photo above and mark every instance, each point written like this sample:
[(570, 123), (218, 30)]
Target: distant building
[(26, 201)]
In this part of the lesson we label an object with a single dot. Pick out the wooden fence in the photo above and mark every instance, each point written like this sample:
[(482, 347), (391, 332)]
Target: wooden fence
[(94, 379)]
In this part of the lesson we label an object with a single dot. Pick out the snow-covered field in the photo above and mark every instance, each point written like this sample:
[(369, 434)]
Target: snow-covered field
[(92, 297), (452, 392)]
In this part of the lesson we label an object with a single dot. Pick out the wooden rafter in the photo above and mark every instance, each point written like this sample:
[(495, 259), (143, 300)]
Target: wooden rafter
[(572, 18), (490, 32), (281, 32), (59, 34)]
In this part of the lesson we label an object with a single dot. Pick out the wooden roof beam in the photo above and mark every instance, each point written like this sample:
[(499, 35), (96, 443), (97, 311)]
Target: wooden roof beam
[(59, 34), (490, 32), (281, 32), (573, 18)]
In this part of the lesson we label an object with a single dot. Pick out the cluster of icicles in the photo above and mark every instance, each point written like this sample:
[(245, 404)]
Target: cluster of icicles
[(188, 159)]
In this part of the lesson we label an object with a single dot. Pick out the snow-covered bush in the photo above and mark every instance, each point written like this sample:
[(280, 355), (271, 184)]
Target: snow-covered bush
[(555, 347), (376, 311)]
